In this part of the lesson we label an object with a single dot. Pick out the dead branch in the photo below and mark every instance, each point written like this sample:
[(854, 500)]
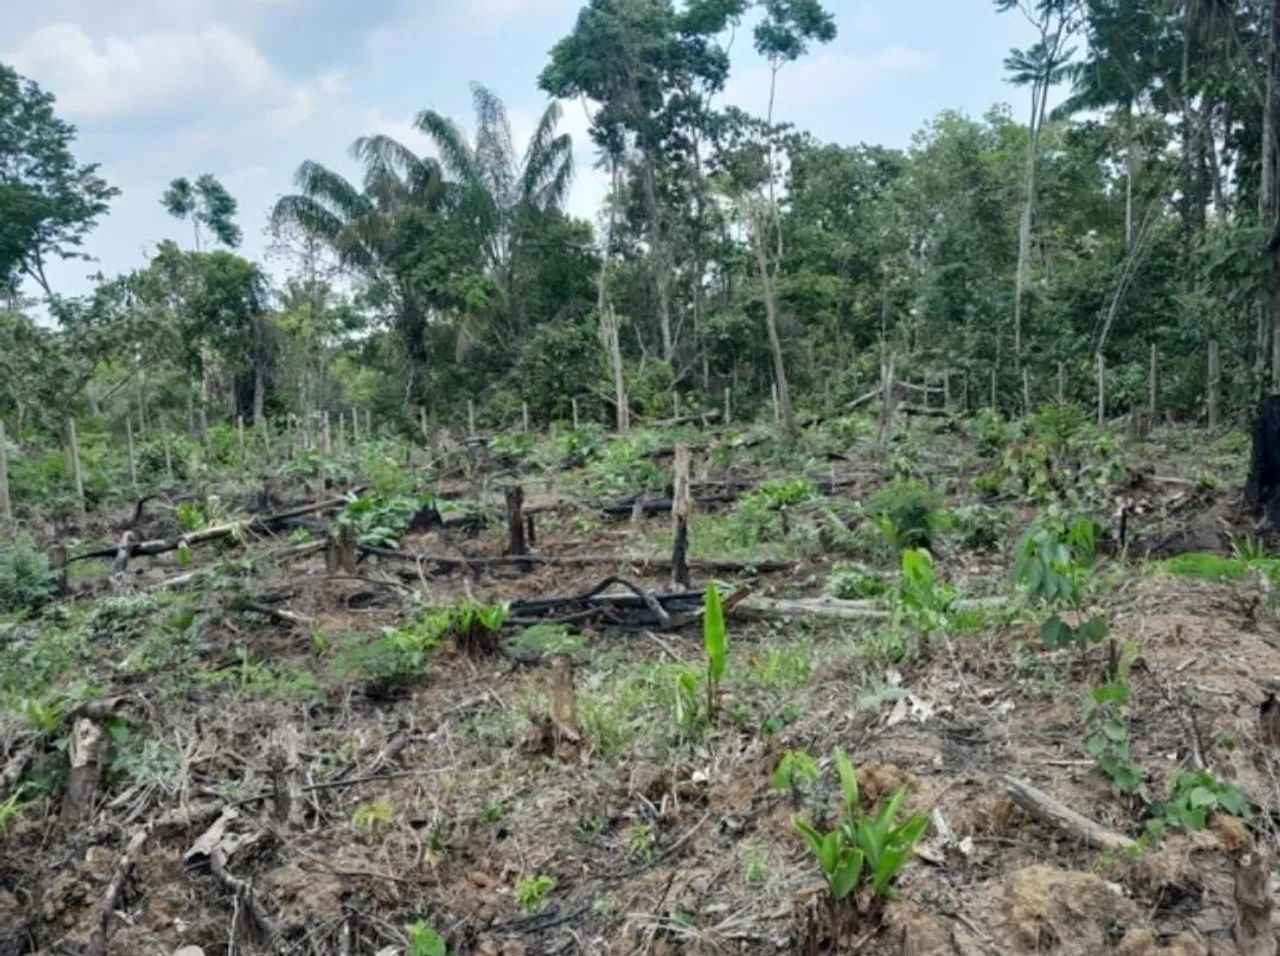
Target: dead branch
[(1045, 809), (243, 891)]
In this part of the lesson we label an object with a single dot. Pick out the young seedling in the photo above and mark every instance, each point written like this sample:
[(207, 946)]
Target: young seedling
[(865, 850), (531, 894)]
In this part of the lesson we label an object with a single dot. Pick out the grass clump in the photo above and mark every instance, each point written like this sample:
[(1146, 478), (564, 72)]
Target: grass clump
[(906, 513), (27, 581)]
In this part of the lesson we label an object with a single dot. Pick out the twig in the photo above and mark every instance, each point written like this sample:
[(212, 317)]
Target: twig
[(1048, 810)]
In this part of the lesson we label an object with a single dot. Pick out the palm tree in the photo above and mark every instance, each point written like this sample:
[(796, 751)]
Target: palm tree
[(363, 226), (501, 195), (476, 196)]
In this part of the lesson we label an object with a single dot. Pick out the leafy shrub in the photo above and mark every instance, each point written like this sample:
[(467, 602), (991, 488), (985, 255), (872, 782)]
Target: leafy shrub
[(381, 521), (1054, 566), (27, 580), (866, 848), (544, 640), (1108, 736), (906, 512), (852, 582), (532, 893), (424, 941), (919, 599), (979, 527), (991, 433), (1193, 796)]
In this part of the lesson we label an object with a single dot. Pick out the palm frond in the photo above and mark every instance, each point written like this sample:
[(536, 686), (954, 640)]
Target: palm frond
[(494, 152), (456, 156)]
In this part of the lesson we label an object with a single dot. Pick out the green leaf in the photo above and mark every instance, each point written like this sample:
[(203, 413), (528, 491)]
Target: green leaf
[(1092, 630), (1056, 632), (1116, 692), (810, 833), (829, 855), (1116, 730), (846, 875), (714, 638), (848, 781), (1202, 797)]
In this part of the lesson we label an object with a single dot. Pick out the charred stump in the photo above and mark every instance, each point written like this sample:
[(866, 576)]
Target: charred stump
[(1262, 491)]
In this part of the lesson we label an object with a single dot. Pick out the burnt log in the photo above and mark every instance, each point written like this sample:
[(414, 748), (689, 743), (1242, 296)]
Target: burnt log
[(1262, 491)]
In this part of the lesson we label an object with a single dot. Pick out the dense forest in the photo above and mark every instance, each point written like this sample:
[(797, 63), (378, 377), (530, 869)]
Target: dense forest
[(828, 548), (733, 252)]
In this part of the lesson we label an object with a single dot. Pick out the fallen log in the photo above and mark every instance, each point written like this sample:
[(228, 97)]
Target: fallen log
[(263, 525), (1047, 810), (443, 562), (834, 608), (636, 609)]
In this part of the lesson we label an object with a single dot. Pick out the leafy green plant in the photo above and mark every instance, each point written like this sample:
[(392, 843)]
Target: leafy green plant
[(424, 941), (765, 513), (866, 849), (979, 527), (796, 771), (919, 600), (906, 512), (640, 840), (1053, 565), (27, 580), (380, 521), (1107, 736), (1193, 796), (532, 893), (715, 644), (371, 820), (851, 582)]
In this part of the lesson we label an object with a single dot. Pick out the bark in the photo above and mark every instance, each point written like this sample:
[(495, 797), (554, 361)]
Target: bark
[(1271, 182)]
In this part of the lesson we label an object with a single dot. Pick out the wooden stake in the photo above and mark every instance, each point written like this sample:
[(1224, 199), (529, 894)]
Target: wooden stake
[(168, 456), (6, 503), (994, 406), (1062, 383), (573, 402), (422, 423), (675, 404), (76, 475), (946, 389), (1151, 383), (204, 427), (471, 419), (524, 417), (244, 450), (133, 464), (1215, 384), (327, 433), (1102, 389), (680, 508), (1026, 390), (355, 425), (265, 433), (516, 544), (368, 423), (777, 414)]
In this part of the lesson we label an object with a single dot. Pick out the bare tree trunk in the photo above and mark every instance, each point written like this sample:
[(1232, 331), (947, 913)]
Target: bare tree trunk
[(609, 323), (658, 260), (1271, 183), (771, 323), (1129, 163)]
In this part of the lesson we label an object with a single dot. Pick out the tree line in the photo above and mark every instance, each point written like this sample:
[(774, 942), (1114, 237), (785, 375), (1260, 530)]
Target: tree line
[(1129, 204)]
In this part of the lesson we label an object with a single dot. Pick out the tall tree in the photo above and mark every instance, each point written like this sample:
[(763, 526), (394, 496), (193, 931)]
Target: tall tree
[(782, 37), (1039, 67), (48, 202), (206, 203), (650, 69)]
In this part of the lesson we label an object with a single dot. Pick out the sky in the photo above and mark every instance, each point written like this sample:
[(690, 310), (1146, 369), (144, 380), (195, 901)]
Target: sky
[(248, 89)]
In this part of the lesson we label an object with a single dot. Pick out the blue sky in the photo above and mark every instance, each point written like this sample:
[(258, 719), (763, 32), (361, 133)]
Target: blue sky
[(246, 89)]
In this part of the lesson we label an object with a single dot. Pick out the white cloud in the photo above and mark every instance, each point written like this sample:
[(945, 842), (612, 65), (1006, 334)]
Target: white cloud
[(145, 73), (305, 100), (822, 80)]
